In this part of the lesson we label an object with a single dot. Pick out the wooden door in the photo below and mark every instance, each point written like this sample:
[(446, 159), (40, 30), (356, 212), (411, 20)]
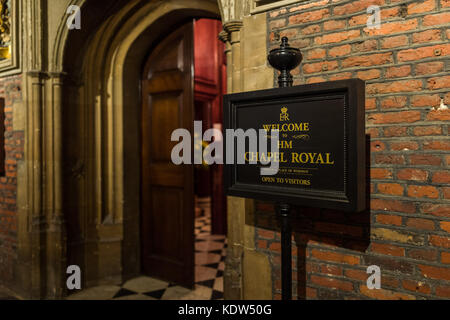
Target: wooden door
[(167, 206)]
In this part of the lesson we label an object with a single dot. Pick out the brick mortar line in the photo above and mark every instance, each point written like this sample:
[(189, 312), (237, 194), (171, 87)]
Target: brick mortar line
[(375, 67), (375, 254), (359, 255), (371, 253), (403, 140), (399, 289), (397, 152), (405, 198), (439, 138), (384, 180), (425, 109), (409, 247), (378, 52), (364, 37), (359, 295), (378, 80), (324, 6), (410, 138), (426, 216), (426, 184), (373, 211), (414, 230), (360, 27), (381, 51), (381, 80), (332, 7), (415, 272), (421, 111), (386, 273), (420, 123)]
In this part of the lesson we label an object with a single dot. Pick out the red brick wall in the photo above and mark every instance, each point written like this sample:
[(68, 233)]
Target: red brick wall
[(406, 231), (10, 90)]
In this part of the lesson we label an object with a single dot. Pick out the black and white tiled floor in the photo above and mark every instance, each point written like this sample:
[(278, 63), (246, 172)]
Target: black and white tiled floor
[(210, 251)]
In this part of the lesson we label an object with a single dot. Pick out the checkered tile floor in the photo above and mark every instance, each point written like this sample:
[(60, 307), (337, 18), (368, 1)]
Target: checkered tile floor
[(210, 251)]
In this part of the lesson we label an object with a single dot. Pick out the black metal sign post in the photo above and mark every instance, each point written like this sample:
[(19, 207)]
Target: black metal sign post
[(321, 155), (284, 59), (286, 251)]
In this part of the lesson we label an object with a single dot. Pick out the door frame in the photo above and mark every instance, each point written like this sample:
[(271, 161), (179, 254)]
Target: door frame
[(108, 92), (188, 277)]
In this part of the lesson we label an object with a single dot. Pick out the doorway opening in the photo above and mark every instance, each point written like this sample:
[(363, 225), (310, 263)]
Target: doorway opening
[(210, 204), (183, 212), (104, 171)]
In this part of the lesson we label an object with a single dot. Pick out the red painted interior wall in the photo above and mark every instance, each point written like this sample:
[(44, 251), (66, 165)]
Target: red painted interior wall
[(210, 85)]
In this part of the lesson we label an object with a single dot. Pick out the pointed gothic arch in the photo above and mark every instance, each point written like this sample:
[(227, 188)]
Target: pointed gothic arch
[(100, 103)]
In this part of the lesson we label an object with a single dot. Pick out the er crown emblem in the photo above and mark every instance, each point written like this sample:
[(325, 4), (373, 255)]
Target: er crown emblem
[(284, 116)]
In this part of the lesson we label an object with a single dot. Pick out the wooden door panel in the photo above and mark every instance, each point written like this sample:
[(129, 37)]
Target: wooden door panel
[(166, 82), (172, 59), (165, 119), (167, 205), (173, 202), (167, 175)]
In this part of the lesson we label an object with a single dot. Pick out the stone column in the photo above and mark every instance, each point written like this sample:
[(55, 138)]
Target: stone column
[(225, 38), (233, 29), (247, 272), (33, 154), (56, 235), (235, 206), (44, 166)]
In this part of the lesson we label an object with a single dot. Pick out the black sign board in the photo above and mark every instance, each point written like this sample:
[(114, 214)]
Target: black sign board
[(321, 154)]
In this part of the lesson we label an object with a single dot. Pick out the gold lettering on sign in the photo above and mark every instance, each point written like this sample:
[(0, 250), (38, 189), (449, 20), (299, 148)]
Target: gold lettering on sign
[(284, 144), (291, 134), (264, 157), (287, 127), (313, 158), (284, 116), (304, 182)]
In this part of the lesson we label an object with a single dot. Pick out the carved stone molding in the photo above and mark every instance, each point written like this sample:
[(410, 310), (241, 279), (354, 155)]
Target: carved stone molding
[(233, 10), (10, 37), (224, 36), (233, 26)]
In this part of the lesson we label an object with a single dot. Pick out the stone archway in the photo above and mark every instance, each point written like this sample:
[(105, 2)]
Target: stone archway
[(101, 128), (83, 73)]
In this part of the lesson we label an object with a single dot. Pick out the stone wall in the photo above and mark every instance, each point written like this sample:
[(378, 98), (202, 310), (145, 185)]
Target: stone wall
[(406, 230), (10, 90)]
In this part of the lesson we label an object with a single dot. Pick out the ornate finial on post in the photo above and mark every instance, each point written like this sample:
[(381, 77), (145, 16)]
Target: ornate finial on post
[(285, 59)]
